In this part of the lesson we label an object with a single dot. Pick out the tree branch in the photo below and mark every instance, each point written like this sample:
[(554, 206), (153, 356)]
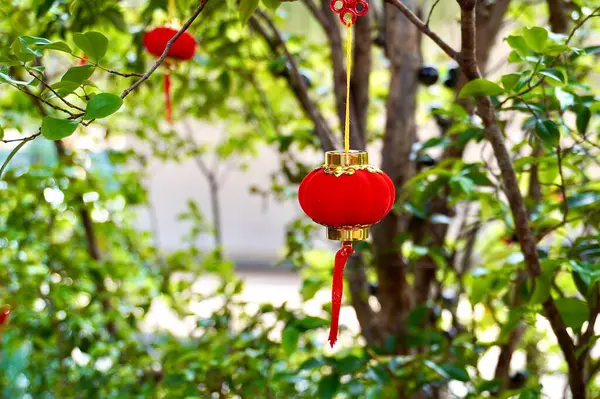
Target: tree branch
[(47, 86), (422, 26), (359, 297), (513, 193), (275, 42), (331, 26), (559, 20)]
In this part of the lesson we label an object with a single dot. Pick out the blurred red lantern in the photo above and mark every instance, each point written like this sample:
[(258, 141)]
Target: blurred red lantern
[(4, 316), (347, 195), (182, 49)]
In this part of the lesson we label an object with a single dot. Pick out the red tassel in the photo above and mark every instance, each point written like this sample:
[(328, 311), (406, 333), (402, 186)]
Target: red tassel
[(168, 98), (337, 289), (4, 316), (83, 60)]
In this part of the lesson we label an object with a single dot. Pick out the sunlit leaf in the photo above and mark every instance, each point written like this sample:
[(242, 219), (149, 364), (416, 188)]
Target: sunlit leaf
[(102, 105), (56, 129), (94, 44)]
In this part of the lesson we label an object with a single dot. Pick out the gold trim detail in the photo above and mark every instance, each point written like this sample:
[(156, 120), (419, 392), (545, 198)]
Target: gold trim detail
[(338, 171), (348, 234), (341, 158)]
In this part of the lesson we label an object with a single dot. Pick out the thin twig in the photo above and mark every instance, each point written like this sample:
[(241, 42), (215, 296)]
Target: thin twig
[(431, 12), (563, 188), (47, 86), (111, 71), (28, 138), (15, 150), (412, 17), (580, 24), (48, 103), (161, 59)]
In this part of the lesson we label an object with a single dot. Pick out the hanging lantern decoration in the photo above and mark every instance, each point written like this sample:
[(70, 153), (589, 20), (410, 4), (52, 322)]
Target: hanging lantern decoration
[(183, 49), (346, 194), (4, 316)]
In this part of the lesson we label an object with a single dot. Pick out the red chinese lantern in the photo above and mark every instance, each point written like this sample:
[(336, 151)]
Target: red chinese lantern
[(347, 195), (183, 49)]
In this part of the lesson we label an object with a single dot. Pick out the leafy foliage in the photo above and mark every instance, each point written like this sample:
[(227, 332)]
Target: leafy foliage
[(78, 320)]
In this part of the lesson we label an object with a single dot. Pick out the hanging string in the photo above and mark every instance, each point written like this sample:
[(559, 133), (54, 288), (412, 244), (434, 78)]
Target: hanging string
[(171, 11), (348, 71)]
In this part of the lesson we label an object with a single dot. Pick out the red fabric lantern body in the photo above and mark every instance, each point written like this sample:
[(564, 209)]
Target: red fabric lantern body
[(183, 49), (155, 42), (347, 195)]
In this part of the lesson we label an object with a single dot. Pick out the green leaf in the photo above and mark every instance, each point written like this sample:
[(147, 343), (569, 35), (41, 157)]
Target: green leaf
[(289, 340), (56, 129), (565, 98), (479, 289), (310, 323), (94, 44), (543, 284), (456, 372), (480, 87), (536, 38), (583, 119), (573, 312), (8, 79), (553, 76), (349, 364), (328, 386), (78, 74), (595, 107), (509, 81), (1, 132), (22, 51), (310, 286), (355, 388), (63, 88), (461, 184), (102, 105), (115, 16), (312, 363), (59, 46), (35, 41), (548, 132), (247, 8), (437, 369), (519, 44), (272, 4), (556, 49)]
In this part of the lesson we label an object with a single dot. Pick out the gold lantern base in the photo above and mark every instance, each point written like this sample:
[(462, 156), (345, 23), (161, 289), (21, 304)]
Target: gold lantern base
[(348, 234)]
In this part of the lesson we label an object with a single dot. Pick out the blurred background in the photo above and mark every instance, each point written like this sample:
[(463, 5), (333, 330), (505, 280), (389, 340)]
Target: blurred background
[(146, 259)]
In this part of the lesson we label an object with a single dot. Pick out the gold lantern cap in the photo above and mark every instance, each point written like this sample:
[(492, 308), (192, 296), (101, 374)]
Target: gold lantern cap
[(342, 158)]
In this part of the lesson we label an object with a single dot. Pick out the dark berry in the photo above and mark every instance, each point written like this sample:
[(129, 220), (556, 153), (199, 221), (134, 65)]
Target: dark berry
[(452, 78), (428, 75), (379, 41), (373, 288), (307, 80), (443, 122), (518, 380), (425, 160)]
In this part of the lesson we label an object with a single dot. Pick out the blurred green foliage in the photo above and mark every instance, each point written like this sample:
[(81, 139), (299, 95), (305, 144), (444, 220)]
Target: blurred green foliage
[(78, 322)]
